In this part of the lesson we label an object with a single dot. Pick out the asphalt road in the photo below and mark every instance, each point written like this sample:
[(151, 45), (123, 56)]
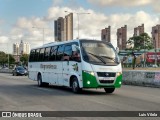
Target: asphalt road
[(18, 93)]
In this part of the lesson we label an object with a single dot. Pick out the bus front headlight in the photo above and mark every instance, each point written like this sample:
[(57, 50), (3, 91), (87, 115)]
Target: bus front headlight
[(89, 72), (119, 73)]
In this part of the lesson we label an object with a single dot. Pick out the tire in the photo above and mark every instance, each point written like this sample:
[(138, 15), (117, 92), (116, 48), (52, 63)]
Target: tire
[(75, 85), (40, 83), (109, 90), (39, 80), (45, 84)]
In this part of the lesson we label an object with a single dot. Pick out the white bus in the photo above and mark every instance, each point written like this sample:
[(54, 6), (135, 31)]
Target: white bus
[(77, 64)]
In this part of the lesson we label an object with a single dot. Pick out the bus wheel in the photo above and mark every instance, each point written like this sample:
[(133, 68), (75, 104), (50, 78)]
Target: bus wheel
[(109, 90), (75, 85), (40, 83)]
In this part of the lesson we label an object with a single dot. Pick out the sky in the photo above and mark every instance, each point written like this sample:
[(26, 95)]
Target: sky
[(18, 17)]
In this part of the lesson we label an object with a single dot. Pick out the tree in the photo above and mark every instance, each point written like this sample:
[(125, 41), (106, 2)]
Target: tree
[(11, 59), (143, 41), (24, 59), (3, 58), (137, 43)]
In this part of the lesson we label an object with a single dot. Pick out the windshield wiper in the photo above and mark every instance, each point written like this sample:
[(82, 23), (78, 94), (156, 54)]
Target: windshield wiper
[(110, 58), (101, 59)]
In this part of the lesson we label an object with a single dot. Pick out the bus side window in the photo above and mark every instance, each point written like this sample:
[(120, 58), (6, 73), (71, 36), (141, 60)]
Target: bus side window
[(76, 54), (53, 53), (67, 53), (59, 56), (46, 54), (31, 57), (36, 56), (41, 54)]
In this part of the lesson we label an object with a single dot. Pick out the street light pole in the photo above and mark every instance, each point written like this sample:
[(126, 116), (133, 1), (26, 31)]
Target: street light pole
[(78, 24), (144, 51), (8, 56), (155, 45), (43, 36)]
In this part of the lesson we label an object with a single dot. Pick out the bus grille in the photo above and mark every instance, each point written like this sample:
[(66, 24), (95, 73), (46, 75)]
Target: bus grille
[(106, 74), (106, 81)]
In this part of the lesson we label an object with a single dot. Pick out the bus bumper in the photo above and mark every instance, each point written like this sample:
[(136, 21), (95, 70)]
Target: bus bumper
[(90, 81)]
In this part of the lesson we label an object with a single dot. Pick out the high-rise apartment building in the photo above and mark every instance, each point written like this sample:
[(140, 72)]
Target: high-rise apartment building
[(106, 34), (16, 49), (63, 28), (59, 29), (22, 48), (68, 23), (156, 36), (122, 37), (138, 30)]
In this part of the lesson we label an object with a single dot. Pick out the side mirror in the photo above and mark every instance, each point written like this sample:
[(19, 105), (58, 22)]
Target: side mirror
[(117, 49)]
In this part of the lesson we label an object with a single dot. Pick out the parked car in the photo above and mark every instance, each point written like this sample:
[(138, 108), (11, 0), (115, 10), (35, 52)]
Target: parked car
[(19, 71)]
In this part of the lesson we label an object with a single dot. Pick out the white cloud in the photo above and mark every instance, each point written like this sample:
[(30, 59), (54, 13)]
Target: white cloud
[(55, 12), (3, 39), (26, 28), (57, 2), (90, 25), (23, 30), (120, 2), (155, 5), (4, 43)]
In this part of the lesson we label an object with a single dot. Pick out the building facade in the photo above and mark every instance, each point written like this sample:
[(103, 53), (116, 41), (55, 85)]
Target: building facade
[(122, 38), (16, 49), (59, 29), (156, 36), (21, 48), (138, 30), (68, 23), (24, 48), (106, 34), (63, 28)]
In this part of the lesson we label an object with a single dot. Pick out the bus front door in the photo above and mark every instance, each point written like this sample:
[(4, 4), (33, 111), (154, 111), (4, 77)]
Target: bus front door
[(65, 73)]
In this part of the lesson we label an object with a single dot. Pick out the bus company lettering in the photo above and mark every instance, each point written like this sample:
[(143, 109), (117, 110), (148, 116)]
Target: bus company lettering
[(48, 66)]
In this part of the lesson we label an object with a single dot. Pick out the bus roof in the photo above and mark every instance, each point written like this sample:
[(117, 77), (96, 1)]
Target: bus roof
[(59, 43)]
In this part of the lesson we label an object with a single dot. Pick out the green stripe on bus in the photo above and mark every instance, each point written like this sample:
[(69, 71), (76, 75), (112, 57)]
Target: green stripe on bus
[(88, 78), (118, 80), (90, 81)]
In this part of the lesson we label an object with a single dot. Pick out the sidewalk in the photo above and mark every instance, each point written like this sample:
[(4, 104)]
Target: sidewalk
[(143, 68)]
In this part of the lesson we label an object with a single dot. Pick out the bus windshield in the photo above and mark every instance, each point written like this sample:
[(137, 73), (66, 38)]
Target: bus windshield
[(99, 52)]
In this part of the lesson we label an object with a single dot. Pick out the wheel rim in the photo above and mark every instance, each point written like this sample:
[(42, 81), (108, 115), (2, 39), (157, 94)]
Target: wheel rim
[(75, 85), (39, 80)]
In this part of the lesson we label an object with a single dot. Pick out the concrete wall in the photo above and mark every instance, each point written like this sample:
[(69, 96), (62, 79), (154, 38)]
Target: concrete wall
[(142, 78), (5, 71)]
